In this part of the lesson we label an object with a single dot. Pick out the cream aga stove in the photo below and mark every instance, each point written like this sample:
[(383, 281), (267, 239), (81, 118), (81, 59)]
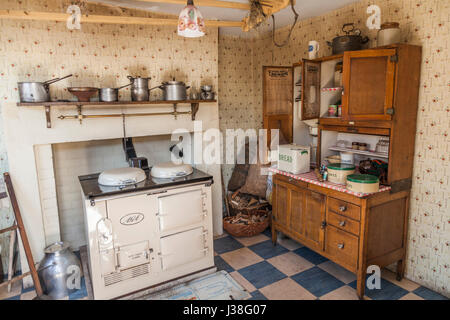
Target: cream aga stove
[(148, 232)]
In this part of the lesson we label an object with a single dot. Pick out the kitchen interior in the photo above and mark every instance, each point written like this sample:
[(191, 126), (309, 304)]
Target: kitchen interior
[(103, 107)]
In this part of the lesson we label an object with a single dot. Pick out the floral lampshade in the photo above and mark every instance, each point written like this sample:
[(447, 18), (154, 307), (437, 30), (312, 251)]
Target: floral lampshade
[(190, 22)]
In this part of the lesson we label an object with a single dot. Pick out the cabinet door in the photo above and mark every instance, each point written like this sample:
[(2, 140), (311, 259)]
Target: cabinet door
[(280, 204), (301, 212), (314, 217), (368, 77), (297, 211), (310, 90)]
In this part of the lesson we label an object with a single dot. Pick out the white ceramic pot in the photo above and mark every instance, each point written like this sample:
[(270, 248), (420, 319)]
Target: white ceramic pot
[(388, 34)]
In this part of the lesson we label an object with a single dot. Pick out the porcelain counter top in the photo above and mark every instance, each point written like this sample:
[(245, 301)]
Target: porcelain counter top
[(310, 177)]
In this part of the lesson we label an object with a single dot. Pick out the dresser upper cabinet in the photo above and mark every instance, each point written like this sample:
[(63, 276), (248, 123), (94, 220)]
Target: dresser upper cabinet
[(365, 83), (368, 79)]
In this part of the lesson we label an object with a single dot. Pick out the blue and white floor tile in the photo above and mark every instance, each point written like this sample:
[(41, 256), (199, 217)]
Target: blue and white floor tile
[(287, 271), (290, 271)]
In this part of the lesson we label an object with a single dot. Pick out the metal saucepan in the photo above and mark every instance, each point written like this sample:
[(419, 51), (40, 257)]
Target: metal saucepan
[(110, 94), (349, 42), (37, 91), (174, 90)]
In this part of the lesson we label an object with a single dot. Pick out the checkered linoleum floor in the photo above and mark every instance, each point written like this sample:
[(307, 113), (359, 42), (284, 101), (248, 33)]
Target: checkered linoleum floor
[(287, 271), (290, 271)]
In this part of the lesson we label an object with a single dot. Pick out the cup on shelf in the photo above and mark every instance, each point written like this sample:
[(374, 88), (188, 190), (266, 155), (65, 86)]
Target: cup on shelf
[(313, 49)]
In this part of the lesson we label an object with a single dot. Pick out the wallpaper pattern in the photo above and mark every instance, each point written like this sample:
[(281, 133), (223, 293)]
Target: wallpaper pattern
[(237, 107), (98, 55), (106, 54), (425, 23)]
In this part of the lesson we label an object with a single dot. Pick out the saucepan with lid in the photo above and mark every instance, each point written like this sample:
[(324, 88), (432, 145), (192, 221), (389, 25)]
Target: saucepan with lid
[(174, 90), (350, 42), (37, 91)]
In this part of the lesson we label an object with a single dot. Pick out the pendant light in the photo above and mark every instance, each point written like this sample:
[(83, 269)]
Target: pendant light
[(190, 22)]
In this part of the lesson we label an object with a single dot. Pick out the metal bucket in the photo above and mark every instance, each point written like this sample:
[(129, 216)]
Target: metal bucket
[(59, 271)]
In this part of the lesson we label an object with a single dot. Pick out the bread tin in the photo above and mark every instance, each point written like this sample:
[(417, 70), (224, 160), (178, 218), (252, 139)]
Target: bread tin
[(363, 183), (338, 172)]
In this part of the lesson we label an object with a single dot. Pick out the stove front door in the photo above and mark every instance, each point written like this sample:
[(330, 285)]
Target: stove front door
[(182, 248), (135, 237), (181, 208)]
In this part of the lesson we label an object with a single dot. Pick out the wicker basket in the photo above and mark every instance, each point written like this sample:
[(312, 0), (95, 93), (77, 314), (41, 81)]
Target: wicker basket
[(252, 229)]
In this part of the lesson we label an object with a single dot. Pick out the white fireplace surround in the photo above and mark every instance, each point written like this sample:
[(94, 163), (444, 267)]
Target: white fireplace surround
[(29, 148)]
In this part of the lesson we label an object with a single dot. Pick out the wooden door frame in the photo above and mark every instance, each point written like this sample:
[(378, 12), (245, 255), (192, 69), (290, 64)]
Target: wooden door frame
[(280, 117), (264, 88)]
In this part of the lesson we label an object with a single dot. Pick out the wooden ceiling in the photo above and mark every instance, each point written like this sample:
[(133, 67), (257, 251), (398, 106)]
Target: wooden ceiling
[(269, 6)]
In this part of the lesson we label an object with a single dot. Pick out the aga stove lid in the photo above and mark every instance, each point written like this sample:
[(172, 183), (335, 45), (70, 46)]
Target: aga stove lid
[(121, 177), (169, 170)]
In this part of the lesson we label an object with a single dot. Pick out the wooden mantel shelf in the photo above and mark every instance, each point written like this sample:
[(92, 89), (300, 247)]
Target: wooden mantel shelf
[(79, 104), (99, 103)]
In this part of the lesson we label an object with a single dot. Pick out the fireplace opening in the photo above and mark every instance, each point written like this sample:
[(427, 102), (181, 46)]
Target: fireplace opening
[(74, 159)]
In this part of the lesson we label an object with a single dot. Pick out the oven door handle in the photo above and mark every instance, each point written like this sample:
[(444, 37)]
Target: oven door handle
[(116, 260), (204, 213), (165, 255), (161, 215)]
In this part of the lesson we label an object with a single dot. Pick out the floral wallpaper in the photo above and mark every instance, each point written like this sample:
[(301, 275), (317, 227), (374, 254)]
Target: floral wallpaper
[(103, 55), (237, 107), (98, 55), (425, 23)]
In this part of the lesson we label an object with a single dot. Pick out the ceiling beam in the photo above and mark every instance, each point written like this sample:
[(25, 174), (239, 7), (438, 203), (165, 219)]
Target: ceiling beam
[(208, 3), (62, 17)]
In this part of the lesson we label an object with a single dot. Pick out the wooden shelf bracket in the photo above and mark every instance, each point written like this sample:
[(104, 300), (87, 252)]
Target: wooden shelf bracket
[(194, 108), (48, 117)]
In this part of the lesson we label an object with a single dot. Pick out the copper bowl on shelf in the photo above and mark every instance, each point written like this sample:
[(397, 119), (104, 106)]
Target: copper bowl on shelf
[(83, 94)]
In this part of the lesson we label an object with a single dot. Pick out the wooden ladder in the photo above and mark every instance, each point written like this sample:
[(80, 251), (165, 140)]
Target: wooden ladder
[(18, 225)]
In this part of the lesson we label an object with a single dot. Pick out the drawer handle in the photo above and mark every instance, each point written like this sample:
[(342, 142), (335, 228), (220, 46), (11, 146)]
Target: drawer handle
[(342, 223), (340, 245), (342, 208)]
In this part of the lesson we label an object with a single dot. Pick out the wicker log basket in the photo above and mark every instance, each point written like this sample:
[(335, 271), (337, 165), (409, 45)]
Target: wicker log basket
[(246, 219), (252, 227)]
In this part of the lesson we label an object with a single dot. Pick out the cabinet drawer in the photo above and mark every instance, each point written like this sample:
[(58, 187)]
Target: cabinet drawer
[(342, 247), (280, 179), (343, 223), (344, 208)]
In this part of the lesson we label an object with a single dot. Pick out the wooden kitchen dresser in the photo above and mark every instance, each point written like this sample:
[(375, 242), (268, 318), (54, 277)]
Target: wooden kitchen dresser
[(379, 94), (354, 232)]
